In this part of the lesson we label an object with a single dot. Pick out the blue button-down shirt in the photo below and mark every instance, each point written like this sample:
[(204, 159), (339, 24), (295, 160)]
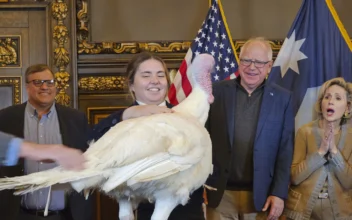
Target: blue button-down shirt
[(44, 130)]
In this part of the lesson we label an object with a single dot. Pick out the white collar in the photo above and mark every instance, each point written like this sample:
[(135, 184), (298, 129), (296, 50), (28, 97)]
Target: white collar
[(142, 103)]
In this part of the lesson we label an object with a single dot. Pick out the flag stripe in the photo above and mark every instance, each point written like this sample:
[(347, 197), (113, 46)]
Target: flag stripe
[(213, 38), (227, 29), (339, 24), (186, 85)]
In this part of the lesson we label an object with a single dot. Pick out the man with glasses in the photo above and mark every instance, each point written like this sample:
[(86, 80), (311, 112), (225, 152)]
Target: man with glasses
[(251, 125), (41, 120)]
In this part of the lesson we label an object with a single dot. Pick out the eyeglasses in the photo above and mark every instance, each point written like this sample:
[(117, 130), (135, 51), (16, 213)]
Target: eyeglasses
[(258, 64), (39, 83)]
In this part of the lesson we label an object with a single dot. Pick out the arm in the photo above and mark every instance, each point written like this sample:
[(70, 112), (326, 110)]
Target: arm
[(12, 148), (5, 140), (341, 166), (132, 112), (303, 164), (144, 110)]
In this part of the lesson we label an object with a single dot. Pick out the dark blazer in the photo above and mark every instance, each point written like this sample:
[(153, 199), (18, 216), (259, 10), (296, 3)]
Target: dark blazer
[(273, 145), (74, 131), (191, 211)]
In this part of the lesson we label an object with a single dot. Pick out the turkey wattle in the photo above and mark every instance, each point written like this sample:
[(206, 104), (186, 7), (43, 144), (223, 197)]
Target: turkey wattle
[(162, 158)]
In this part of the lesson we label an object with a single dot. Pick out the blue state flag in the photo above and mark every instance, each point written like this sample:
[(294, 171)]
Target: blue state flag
[(317, 48)]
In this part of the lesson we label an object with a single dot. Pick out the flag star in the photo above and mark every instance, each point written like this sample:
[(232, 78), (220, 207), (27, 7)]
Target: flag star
[(200, 31), (227, 60), (212, 19), (197, 53), (222, 45), (216, 34), (208, 38), (206, 48), (215, 44), (200, 44), (223, 36), (211, 29), (220, 55), (228, 50), (216, 77), (217, 67), (203, 35), (216, 10), (290, 54), (226, 69), (212, 7), (232, 64), (197, 39), (206, 26), (212, 53)]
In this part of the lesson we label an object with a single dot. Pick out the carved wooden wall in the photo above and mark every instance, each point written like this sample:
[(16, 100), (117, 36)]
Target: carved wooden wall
[(34, 32)]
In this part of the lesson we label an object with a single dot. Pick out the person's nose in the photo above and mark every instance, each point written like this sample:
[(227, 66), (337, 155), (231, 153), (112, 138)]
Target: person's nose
[(44, 86), (154, 79), (252, 65)]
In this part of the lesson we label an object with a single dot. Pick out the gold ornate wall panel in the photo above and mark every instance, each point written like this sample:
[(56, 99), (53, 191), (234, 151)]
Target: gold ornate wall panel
[(59, 9), (10, 51), (16, 85), (96, 84)]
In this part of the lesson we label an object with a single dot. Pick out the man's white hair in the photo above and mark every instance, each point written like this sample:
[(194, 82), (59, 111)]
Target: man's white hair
[(261, 40)]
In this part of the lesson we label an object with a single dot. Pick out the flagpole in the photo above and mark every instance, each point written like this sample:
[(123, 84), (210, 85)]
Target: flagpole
[(339, 24), (227, 29)]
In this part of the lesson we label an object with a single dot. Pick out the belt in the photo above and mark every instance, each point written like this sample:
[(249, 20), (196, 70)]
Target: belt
[(41, 212)]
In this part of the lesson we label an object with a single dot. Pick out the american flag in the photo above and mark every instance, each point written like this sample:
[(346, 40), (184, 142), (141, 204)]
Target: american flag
[(213, 38)]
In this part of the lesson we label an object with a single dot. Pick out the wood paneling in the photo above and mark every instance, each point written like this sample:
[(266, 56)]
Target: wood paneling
[(14, 18)]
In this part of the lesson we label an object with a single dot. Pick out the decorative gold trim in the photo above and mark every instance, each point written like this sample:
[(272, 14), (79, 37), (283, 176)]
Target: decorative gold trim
[(15, 82), (59, 10), (95, 114), (86, 47), (131, 48), (10, 48), (102, 83)]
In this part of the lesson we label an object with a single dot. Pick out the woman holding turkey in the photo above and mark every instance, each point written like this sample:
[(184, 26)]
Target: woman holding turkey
[(148, 82), (321, 179)]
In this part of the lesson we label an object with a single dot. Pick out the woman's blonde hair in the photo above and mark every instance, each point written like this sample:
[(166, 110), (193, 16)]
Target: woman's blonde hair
[(339, 82), (134, 64)]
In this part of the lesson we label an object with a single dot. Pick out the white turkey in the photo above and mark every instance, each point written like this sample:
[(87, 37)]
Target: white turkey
[(162, 158)]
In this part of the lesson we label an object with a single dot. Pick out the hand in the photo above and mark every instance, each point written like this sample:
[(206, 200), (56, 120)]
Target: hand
[(276, 205), (326, 139), (332, 145), (144, 110), (68, 158)]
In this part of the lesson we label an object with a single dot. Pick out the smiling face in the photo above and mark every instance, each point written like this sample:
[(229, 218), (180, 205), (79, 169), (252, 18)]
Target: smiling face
[(334, 103), (252, 76), (44, 95), (150, 83)]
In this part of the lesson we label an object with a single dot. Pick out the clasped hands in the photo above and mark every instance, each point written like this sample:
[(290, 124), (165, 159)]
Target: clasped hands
[(328, 141)]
